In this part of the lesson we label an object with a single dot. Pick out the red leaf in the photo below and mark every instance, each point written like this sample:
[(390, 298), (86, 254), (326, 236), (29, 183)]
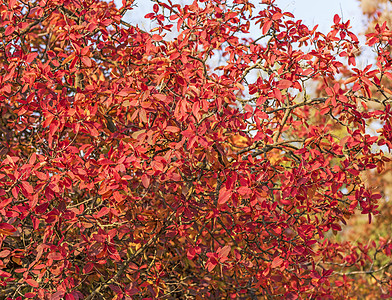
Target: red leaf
[(267, 26), (389, 75), (224, 252), (31, 56), (149, 16), (86, 60), (173, 129), (336, 19), (32, 282), (4, 274), (145, 180), (9, 30), (180, 80), (27, 187), (88, 267), (30, 295), (210, 266), (55, 256), (224, 196), (93, 131), (11, 4), (277, 16), (104, 211), (58, 295), (284, 84), (376, 196), (191, 253), (179, 24), (20, 270), (32, 159), (69, 297), (336, 227), (4, 253), (291, 296)]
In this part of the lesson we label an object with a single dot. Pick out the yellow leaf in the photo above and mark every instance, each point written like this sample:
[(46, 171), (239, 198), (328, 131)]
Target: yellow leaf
[(239, 141)]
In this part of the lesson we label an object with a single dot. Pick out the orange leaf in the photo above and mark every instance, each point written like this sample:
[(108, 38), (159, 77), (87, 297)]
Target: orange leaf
[(157, 37), (277, 262), (6, 229), (389, 75), (351, 79)]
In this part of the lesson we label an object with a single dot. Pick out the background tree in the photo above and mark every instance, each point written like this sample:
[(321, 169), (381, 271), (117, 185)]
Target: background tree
[(130, 168), (379, 180), (377, 11)]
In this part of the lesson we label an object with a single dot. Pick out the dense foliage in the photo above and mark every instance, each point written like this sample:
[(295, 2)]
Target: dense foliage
[(189, 162)]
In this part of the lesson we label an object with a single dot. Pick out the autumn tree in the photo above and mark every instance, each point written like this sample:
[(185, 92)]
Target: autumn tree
[(131, 168)]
